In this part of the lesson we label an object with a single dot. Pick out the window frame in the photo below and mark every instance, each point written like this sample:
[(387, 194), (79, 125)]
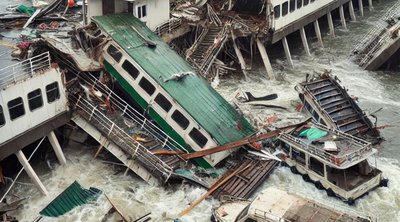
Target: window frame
[(200, 143), (292, 5), (277, 9), (141, 11), (12, 117), (285, 5), (57, 95), (116, 55), (177, 116), (163, 103), (299, 4), (2, 117), (306, 2), (127, 67), (144, 83), (34, 97)]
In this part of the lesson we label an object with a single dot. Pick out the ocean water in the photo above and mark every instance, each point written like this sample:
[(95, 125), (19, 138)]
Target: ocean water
[(135, 198)]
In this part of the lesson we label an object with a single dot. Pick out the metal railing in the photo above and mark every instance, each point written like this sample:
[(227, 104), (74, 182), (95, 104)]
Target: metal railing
[(168, 26), (26, 69), (133, 148), (337, 160), (126, 110)]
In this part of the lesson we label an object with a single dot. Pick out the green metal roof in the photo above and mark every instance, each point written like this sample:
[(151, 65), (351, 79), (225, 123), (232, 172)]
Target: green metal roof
[(193, 93)]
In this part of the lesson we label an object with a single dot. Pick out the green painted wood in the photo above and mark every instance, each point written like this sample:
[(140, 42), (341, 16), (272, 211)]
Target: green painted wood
[(210, 110), (75, 195)]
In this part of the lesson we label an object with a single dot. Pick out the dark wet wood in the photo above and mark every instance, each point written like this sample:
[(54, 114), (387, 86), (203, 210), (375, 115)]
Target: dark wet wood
[(246, 182)]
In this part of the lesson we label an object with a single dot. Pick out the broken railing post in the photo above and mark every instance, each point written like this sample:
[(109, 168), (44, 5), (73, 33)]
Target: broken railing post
[(304, 40), (287, 51), (318, 33), (264, 56), (361, 7), (342, 18), (330, 23)]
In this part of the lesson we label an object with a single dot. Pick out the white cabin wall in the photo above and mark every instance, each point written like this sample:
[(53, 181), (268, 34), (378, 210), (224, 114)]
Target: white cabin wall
[(297, 14), (157, 12), (94, 8)]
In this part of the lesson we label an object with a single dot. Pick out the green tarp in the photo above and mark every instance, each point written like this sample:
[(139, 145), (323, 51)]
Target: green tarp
[(25, 9), (313, 133), (75, 195)]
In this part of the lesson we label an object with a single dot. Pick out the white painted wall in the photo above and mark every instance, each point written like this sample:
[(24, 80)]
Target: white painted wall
[(157, 12), (30, 119), (297, 14), (95, 8)]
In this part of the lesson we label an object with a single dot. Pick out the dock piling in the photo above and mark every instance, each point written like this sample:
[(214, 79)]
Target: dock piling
[(351, 10), (57, 148), (31, 173), (240, 56), (264, 56), (361, 7), (371, 7), (318, 33), (287, 51), (304, 40), (342, 18), (330, 23)]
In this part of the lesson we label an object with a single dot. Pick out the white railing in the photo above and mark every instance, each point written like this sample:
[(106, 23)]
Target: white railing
[(168, 26), (133, 148), (126, 110), (343, 160), (20, 71)]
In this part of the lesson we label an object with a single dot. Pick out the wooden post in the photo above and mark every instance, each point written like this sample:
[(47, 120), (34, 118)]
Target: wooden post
[(342, 18), (31, 173), (116, 209), (287, 51), (330, 23), (57, 148), (318, 33), (361, 7), (214, 187), (351, 10), (264, 56), (304, 40)]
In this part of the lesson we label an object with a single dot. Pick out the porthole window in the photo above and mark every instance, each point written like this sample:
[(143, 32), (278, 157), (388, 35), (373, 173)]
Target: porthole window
[(35, 100), (180, 119), (285, 8), (147, 86), (52, 92), (277, 11), (198, 137), (163, 102), (16, 108), (299, 3), (114, 53), (2, 119), (130, 69), (292, 5)]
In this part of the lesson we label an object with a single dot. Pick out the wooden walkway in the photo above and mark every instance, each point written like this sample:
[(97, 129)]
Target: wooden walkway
[(246, 182)]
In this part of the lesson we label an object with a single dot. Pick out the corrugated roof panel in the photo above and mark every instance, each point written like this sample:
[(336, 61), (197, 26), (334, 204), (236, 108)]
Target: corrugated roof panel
[(193, 93)]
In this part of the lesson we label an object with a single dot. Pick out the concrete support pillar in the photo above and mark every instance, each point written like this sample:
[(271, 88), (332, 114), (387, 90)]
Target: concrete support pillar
[(342, 18), (361, 7), (264, 56), (330, 23), (57, 148), (351, 10), (318, 33), (287, 51), (304, 40), (240, 56), (31, 173), (371, 8)]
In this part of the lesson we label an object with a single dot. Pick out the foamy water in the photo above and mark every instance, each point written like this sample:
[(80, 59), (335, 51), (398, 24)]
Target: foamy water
[(135, 198)]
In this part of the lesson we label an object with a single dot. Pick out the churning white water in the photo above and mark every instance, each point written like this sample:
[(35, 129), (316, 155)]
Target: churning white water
[(135, 198)]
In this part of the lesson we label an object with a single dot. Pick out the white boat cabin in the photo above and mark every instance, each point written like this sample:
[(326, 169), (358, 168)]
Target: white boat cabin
[(152, 12), (32, 102)]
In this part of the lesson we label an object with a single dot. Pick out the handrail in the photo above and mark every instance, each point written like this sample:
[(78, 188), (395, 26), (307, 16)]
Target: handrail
[(133, 114), (336, 160), (23, 70), (93, 115), (168, 26)]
